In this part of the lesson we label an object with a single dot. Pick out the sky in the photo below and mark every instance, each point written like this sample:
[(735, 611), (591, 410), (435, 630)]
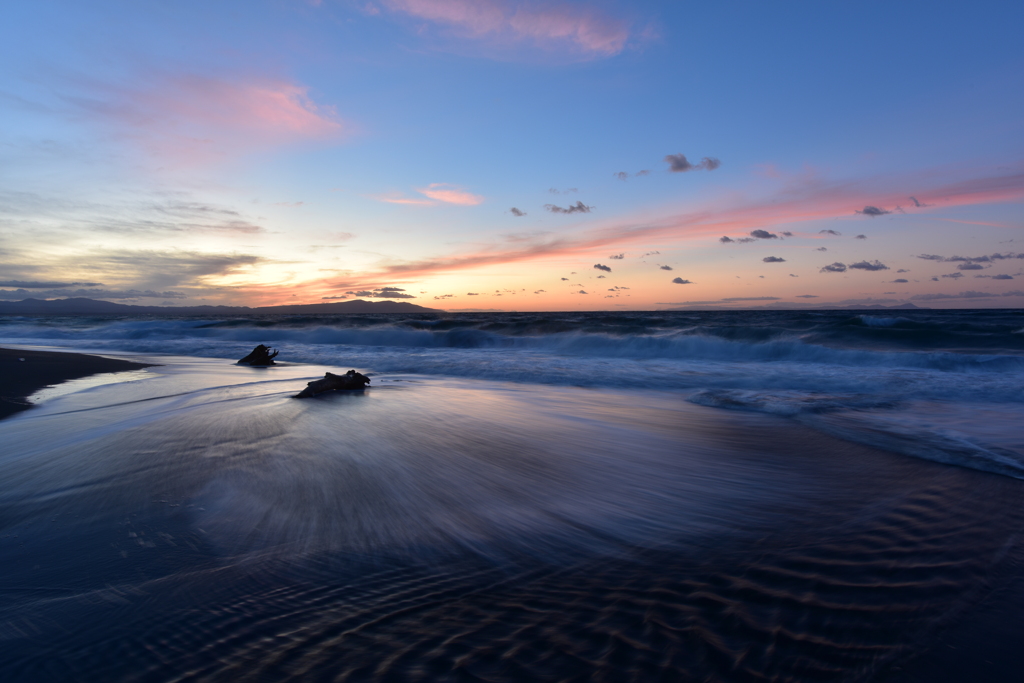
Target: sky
[(507, 155)]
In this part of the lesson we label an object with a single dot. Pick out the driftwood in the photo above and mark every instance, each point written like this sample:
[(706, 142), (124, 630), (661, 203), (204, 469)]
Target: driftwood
[(351, 380), (261, 355)]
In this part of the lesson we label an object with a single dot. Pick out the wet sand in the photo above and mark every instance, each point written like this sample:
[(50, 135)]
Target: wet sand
[(19, 379), (206, 526)]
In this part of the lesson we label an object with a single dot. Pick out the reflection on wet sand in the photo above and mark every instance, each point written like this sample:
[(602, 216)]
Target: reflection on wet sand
[(204, 526)]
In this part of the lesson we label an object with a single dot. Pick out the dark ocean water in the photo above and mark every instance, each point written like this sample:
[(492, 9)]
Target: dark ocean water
[(946, 385), (735, 496)]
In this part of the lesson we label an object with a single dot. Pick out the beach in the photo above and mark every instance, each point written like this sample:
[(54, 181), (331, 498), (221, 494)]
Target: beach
[(27, 371), (192, 520), (511, 341)]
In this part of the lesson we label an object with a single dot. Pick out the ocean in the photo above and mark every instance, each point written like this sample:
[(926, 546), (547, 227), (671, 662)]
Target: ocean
[(707, 496)]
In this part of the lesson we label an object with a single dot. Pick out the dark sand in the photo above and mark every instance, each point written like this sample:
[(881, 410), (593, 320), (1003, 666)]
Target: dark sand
[(209, 561), (20, 379)]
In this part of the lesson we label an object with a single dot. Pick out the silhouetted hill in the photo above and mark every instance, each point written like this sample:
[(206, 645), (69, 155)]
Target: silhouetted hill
[(786, 306), (875, 306), (94, 307)]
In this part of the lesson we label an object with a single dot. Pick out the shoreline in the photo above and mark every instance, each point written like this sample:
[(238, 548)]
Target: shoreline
[(41, 369), (865, 528)]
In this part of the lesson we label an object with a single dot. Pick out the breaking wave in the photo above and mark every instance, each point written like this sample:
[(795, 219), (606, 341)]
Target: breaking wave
[(812, 366)]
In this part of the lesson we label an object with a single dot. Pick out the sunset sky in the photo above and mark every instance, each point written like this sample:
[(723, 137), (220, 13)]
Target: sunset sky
[(527, 156)]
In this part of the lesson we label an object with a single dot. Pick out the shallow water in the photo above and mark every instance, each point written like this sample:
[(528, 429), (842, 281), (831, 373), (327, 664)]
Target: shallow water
[(879, 377), (198, 523)]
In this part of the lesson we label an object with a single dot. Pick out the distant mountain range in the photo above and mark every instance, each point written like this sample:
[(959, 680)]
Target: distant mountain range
[(783, 306), (94, 307), (874, 306), (83, 306)]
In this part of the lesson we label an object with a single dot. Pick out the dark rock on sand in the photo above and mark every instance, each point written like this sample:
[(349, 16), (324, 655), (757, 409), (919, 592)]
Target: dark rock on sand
[(351, 380), (261, 355)]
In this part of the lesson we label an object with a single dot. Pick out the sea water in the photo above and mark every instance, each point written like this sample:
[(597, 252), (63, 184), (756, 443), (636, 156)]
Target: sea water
[(680, 496), (947, 385)]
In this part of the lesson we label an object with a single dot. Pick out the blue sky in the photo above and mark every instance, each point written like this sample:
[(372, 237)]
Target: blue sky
[(298, 152)]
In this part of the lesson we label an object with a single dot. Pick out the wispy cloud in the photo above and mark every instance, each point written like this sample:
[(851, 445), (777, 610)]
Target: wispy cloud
[(448, 194), (399, 198), (189, 119), (26, 284), (171, 268), (578, 28), (19, 294), (165, 274), (157, 214), (809, 201), (984, 258), (985, 223), (964, 295), (437, 193)]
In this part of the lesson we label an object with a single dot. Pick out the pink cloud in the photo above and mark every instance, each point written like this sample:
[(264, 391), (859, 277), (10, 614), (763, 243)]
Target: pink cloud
[(985, 223), (805, 202), (198, 119), (445, 193), (397, 198), (977, 190), (436, 192), (552, 24)]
